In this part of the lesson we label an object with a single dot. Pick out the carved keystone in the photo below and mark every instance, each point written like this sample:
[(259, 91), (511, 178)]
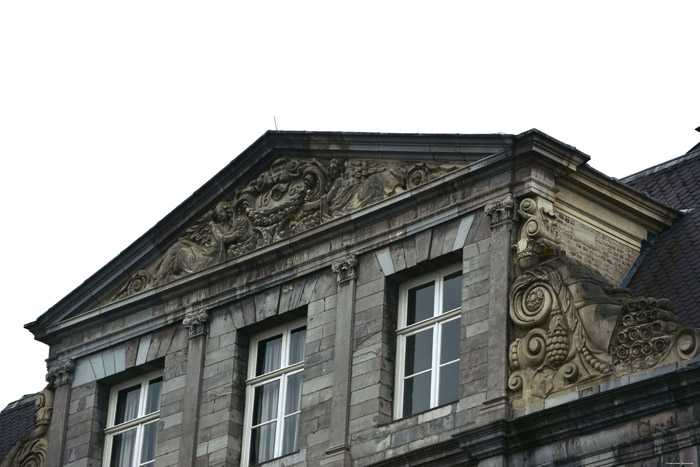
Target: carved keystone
[(62, 371), (196, 322), (344, 268)]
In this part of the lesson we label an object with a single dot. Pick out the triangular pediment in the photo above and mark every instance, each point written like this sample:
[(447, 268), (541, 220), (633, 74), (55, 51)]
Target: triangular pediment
[(294, 195), (284, 184)]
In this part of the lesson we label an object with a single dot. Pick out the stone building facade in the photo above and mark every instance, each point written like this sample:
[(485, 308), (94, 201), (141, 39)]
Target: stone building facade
[(372, 299)]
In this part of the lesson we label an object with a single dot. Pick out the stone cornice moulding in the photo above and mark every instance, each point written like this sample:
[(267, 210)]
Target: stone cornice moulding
[(620, 199), (273, 144), (346, 223), (439, 148)]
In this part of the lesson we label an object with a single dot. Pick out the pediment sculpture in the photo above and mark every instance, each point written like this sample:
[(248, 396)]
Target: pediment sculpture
[(570, 326), (294, 195)]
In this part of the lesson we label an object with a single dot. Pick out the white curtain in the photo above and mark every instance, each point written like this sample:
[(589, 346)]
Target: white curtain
[(265, 409), (123, 449), (269, 355)]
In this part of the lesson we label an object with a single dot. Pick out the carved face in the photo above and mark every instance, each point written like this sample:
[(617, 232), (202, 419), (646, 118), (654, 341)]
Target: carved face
[(221, 212)]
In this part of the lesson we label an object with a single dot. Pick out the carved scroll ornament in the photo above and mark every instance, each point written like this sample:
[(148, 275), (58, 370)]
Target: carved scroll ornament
[(539, 232), (561, 327), (31, 450), (294, 195), (570, 326)]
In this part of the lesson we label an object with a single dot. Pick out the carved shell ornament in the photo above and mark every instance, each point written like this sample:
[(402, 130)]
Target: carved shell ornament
[(293, 196)]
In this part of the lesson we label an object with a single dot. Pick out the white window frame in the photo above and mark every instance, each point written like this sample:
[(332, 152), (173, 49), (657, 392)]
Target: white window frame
[(435, 322), (139, 422), (281, 374)]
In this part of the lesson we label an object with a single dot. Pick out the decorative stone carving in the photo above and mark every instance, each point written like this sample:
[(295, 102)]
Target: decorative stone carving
[(648, 334), (562, 327), (344, 268), (62, 371), (294, 195), (570, 327), (501, 210), (196, 322), (31, 450), (539, 232)]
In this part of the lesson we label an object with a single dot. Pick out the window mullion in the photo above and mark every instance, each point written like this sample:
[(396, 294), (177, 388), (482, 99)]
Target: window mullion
[(280, 416), (435, 366)]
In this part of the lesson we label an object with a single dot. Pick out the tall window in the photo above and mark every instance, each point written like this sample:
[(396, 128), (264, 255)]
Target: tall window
[(273, 393), (427, 364), (132, 422)]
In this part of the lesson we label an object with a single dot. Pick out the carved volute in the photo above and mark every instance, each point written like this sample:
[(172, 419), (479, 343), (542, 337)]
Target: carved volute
[(571, 327), (294, 195)]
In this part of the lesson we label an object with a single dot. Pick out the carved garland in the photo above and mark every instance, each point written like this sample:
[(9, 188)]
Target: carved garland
[(294, 195)]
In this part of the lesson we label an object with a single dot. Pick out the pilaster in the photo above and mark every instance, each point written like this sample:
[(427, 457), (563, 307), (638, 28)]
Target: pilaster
[(61, 372), (502, 223), (196, 323), (338, 453)]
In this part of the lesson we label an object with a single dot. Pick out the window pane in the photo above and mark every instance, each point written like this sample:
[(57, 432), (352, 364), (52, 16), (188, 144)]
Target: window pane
[(123, 449), (290, 439), (269, 355), (127, 404), (262, 443), (148, 446), (293, 403), (420, 303), (449, 344), (297, 346), (452, 292), (155, 386), (419, 352), (449, 383), (416, 394), (265, 403)]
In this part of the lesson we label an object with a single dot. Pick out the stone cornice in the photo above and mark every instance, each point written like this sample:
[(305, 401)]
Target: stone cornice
[(620, 199), (324, 232), (570, 419)]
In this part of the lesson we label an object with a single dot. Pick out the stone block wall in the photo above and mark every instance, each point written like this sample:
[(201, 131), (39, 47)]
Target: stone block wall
[(374, 434), (87, 415)]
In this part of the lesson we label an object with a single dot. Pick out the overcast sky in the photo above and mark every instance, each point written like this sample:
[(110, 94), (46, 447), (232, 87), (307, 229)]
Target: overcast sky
[(113, 112)]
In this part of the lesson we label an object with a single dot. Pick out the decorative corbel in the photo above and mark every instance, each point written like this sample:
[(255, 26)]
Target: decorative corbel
[(501, 210), (62, 372), (196, 322), (344, 268), (539, 232)]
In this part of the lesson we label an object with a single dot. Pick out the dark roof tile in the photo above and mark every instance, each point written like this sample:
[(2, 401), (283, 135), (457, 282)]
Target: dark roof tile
[(671, 268), (16, 420)]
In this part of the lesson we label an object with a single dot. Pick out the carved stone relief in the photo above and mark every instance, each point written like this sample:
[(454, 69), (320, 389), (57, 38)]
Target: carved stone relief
[(62, 372), (344, 268), (501, 210), (31, 450), (196, 322), (570, 326), (294, 195)]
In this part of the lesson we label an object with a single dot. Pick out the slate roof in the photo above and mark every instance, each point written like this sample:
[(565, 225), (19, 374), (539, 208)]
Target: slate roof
[(671, 268), (16, 420)]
